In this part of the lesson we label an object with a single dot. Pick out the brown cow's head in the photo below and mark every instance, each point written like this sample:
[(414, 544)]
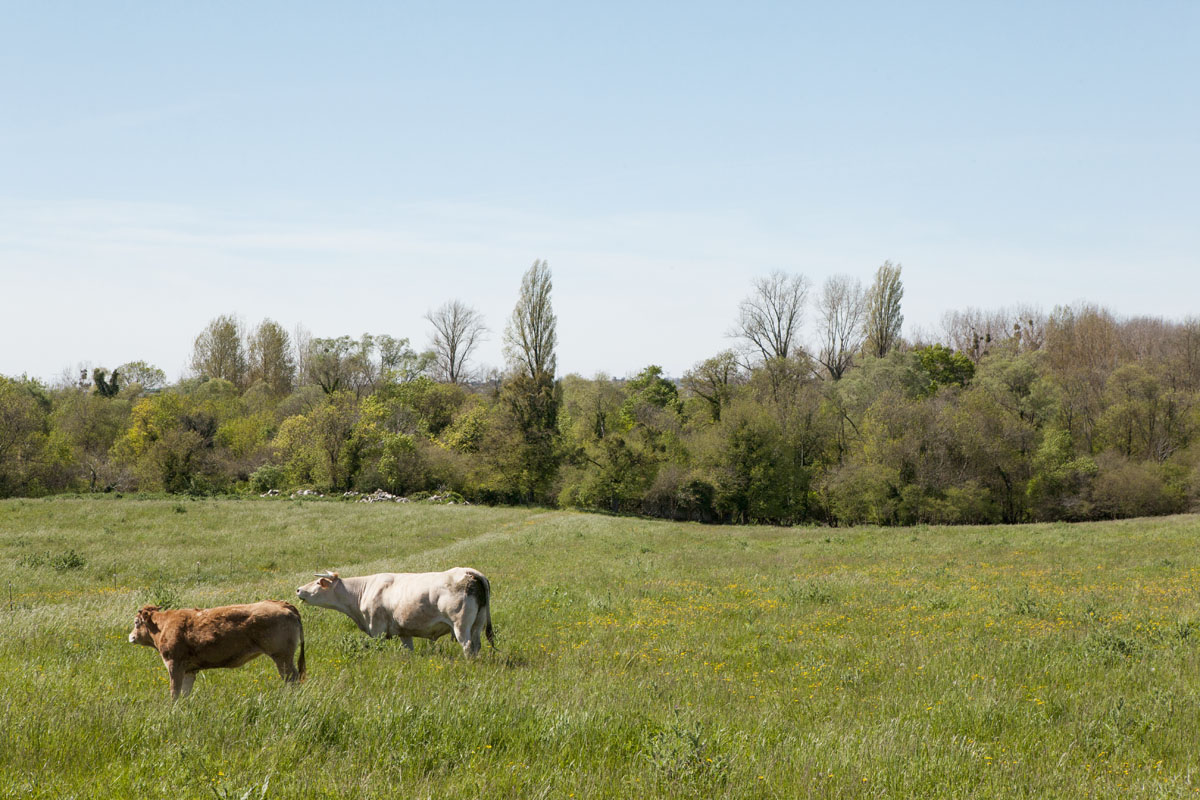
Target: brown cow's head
[(144, 627), (324, 591)]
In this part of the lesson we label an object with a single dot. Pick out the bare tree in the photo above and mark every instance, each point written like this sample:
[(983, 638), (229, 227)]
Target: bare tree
[(218, 351), (841, 308), (302, 339), (770, 318), (457, 329), (975, 332), (1082, 349), (883, 317), (531, 336)]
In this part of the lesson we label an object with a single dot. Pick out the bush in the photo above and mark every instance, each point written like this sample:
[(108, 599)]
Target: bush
[(1124, 488), (60, 562), (969, 504), (861, 493), (1058, 488), (267, 477)]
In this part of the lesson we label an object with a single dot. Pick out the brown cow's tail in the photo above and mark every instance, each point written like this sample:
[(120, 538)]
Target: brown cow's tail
[(301, 669)]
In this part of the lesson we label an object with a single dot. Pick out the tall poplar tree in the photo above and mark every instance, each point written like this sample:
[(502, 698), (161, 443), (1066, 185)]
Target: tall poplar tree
[(883, 321), (531, 394)]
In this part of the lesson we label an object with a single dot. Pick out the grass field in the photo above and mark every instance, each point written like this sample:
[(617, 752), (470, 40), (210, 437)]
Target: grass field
[(637, 658)]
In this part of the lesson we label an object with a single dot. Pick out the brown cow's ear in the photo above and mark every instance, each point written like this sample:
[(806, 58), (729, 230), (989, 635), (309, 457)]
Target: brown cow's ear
[(146, 617)]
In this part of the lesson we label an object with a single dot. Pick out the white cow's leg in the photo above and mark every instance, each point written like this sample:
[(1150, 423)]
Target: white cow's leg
[(481, 620), (378, 626), (463, 628), (186, 684), (463, 636)]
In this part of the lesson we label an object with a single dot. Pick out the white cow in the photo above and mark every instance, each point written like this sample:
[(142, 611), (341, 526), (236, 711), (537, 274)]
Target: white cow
[(424, 605)]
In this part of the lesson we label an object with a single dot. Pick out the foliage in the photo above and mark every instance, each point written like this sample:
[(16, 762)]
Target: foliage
[(219, 351), (147, 376), (1017, 417), (268, 477), (941, 366), (270, 359), (109, 387)]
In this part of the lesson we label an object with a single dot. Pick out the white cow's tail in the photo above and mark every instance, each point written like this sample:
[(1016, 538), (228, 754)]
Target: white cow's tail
[(480, 588)]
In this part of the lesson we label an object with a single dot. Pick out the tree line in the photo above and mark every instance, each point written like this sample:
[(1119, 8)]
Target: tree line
[(1010, 415)]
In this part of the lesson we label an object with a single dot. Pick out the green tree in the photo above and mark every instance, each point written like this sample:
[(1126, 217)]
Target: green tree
[(147, 376), (106, 387), (23, 434), (1058, 486), (270, 359), (363, 365), (90, 425), (941, 366), (714, 381), (168, 445), (1143, 417), (883, 317), (532, 333), (218, 351), (321, 448), (648, 393), (532, 407), (531, 395)]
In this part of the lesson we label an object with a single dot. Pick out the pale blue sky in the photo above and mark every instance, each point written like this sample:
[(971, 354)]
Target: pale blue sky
[(349, 166)]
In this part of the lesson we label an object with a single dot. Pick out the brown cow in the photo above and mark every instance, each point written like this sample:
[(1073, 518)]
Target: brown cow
[(192, 639)]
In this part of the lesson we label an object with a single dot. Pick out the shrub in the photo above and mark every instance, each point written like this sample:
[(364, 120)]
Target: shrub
[(267, 477), (861, 493), (1124, 488)]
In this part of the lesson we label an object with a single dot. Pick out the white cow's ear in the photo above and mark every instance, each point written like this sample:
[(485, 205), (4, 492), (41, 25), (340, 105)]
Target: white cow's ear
[(325, 583)]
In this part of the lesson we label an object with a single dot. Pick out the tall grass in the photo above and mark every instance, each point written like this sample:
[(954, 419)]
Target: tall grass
[(637, 658)]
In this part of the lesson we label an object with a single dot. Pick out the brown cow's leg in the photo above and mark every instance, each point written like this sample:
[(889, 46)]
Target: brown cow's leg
[(283, 663), (178, 678)]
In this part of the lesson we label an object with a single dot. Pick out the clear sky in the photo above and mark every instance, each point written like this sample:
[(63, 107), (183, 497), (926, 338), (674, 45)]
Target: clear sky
[(349, 166)]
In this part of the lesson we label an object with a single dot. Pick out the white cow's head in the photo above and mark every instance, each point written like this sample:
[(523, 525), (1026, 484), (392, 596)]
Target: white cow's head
[(325, 591)]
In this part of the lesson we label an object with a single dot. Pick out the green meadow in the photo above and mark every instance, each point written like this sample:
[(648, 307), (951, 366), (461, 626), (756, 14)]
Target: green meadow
[(636, 657)]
